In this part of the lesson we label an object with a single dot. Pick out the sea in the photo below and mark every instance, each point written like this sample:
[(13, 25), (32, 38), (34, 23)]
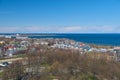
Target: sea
[(98, 39)]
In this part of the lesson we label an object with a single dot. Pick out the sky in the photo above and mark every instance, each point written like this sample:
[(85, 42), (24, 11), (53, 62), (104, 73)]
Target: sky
[(60, 16)]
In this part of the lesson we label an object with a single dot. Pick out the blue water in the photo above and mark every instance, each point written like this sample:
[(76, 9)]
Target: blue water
[(101, 39)]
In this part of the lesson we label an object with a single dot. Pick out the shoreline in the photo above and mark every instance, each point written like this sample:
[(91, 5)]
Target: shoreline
[(96, 39)]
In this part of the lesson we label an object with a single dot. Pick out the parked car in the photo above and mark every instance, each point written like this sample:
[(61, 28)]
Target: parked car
[(4, 64)]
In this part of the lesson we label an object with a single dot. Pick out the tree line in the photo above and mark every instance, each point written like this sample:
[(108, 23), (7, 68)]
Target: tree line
[(48, 64)]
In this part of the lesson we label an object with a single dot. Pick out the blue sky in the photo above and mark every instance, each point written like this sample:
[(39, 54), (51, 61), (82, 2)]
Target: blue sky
[(60, 16)]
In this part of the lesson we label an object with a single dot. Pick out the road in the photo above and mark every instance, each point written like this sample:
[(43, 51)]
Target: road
[(11, 60)]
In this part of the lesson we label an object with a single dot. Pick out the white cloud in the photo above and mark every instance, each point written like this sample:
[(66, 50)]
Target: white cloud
[(72, 29), (89, 29)]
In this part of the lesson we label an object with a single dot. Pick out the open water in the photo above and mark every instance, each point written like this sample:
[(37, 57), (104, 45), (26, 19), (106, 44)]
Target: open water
[(100, 39)]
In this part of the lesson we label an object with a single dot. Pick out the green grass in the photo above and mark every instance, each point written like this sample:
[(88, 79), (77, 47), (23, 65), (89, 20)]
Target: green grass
[(1, 73)]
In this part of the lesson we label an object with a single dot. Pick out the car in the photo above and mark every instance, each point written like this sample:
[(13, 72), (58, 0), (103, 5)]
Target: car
[(3, 64)]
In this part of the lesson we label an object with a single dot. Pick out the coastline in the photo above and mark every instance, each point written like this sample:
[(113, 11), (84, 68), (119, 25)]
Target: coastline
[(97, 39), (106, 39)]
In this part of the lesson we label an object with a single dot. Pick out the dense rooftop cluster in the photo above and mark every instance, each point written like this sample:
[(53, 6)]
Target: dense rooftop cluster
[(60, 59)]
